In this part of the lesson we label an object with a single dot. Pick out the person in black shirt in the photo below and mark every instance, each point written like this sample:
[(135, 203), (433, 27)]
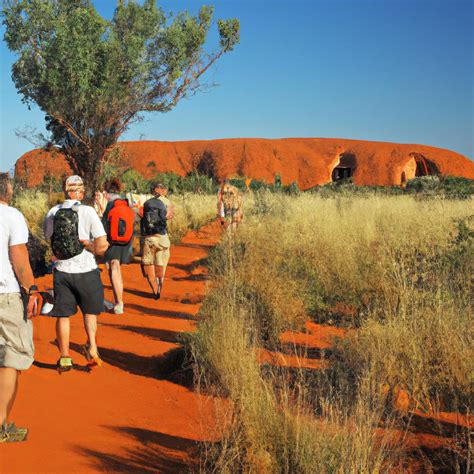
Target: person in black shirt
[(156, 249)]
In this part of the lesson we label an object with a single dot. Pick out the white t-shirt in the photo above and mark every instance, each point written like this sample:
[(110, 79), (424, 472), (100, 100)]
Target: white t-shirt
[(90, 228), (13, 231)]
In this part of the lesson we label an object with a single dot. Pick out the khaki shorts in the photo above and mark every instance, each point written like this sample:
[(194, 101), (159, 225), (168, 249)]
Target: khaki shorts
[(16, 334), (156, 250)]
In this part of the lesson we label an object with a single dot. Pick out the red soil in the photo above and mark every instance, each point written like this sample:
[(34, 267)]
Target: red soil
[(306, 161), (124, 416)]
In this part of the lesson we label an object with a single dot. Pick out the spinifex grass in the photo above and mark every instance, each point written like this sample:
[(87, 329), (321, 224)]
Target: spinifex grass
[(402, 266)]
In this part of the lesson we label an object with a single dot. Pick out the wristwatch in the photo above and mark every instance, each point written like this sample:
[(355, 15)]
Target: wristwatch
[(33, 288)]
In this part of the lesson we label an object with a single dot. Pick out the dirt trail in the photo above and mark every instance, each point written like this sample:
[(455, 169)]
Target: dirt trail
[(124, 416)]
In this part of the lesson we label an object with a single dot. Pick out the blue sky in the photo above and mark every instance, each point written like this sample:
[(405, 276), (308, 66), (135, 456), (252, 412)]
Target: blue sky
[(387, 70)]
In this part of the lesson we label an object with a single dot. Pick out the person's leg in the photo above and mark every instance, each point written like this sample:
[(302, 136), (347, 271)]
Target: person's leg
[(160, 276), (151, 277), (65, 305), (117, 282), (8, 389), (148, 261), (16, 354), (162, 260), (91, 294), (90, 325), (63, 334)]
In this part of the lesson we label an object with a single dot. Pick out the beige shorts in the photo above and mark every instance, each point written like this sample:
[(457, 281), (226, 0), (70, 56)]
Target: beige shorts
[(156, 250), (16, 334)]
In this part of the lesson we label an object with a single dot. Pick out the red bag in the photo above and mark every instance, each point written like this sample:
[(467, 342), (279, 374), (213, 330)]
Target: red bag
[(120, 222)]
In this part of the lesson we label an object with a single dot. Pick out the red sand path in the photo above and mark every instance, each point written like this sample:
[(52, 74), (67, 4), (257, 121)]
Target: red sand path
[(124, 416)]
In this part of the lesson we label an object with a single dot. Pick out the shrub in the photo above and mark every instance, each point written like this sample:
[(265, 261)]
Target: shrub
[(450, 187), (133, 181)]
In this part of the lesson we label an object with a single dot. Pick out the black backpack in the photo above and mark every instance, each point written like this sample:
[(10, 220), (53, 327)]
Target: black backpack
[(152, 221), (65, 241)]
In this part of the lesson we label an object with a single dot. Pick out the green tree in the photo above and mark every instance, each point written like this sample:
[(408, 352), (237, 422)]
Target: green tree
[(93, 77)]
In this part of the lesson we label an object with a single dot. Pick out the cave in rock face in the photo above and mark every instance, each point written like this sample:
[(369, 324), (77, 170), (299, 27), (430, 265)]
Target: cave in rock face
[(345, 167), (424, 167), (417, 166)]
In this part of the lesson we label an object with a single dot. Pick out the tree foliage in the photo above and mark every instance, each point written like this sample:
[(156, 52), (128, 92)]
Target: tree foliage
[(93, 77)]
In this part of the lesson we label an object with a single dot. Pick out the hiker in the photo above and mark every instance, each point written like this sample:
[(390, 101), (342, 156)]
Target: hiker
[(100, 202), (118, 220), (156, 247), (229, 205), (19, 301), (76, 234), (162, 192)]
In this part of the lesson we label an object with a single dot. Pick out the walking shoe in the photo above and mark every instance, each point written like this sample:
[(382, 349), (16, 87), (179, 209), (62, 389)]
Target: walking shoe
[(64, 364), (10, 433), (118, 308), (92, 361)]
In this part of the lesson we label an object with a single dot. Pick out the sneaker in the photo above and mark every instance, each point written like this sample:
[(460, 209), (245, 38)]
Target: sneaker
[(10, 433), (64, 364), (92, 361), (118, 308)]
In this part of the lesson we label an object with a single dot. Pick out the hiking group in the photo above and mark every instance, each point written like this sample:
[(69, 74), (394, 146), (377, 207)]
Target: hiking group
[(79, 238)]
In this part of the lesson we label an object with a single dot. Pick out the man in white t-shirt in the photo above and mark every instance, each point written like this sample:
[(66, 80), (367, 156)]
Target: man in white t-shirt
[(77, 235), (16, 331)]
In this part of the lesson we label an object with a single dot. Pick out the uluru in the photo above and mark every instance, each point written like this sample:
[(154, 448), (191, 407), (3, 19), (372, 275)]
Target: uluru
[(306, 161)]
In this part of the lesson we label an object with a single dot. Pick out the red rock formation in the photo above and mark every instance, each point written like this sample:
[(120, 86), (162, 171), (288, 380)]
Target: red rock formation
[(307, 161)]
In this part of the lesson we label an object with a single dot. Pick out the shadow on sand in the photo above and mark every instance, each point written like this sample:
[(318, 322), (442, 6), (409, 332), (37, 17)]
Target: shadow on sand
[(158, 452), (153, 333), (159, 312), (190, 267), (200, 277), (171, 366)]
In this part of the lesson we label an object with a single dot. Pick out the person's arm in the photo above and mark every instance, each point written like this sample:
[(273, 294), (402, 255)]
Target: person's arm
[(48, 225), (20, 261), (100, 244), (170, 212), (162, 210)]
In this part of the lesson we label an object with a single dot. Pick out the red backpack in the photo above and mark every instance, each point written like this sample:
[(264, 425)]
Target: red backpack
[(120, 223)]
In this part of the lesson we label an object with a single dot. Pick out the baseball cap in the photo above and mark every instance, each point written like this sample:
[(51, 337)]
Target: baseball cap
[(74, 183)]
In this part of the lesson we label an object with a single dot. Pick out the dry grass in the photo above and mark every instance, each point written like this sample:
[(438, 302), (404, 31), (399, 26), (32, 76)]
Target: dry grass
[(191, 212), (33, 205), (402, 265), (270, 426)]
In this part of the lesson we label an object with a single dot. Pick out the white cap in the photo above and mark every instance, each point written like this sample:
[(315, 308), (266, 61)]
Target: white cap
[(74, 183)]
